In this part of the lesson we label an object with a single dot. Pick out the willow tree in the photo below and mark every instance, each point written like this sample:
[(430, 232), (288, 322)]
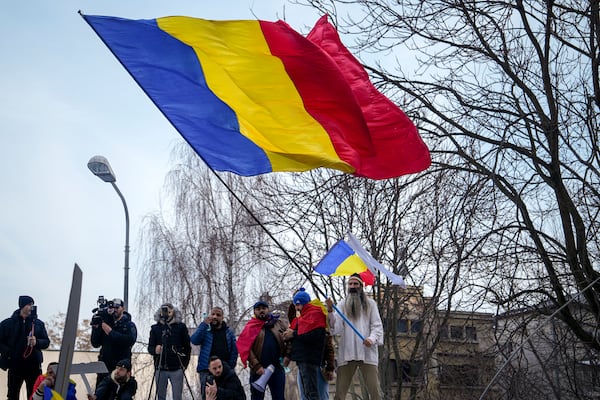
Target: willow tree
[(206, 249)]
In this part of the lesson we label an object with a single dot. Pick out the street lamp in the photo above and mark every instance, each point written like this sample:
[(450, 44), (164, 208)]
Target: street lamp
[(101, 168)]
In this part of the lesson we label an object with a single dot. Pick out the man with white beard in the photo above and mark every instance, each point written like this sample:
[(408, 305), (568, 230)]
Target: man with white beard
[(353, 352)]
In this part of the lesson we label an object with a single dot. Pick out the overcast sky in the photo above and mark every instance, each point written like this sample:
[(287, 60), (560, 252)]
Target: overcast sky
[(65, 98)]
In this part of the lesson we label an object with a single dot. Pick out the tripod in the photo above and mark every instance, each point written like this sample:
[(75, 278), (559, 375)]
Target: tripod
[(160, 367), (187, 383), (166, 331)]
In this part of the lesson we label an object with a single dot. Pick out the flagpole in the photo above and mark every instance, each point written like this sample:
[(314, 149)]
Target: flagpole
[(347, 321), (298, 266), (230, 190)]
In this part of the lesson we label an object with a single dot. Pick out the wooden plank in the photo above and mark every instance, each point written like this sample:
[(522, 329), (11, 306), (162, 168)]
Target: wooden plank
[(70, 333)]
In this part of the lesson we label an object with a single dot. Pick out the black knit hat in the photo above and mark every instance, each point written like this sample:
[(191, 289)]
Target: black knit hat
[(25, 300), (125, 363)]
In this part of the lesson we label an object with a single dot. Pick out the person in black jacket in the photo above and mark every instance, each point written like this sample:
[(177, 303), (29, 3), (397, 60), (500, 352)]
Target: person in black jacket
[(222, 383), (307, 333), (115, 338), (119, 385), (22, 339), (169, 343)]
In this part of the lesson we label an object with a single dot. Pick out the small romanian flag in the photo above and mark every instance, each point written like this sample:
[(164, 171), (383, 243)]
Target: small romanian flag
[(51, 394), (342, 260)]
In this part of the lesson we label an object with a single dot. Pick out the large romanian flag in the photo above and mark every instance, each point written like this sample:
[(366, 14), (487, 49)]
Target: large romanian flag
[(253, 97)]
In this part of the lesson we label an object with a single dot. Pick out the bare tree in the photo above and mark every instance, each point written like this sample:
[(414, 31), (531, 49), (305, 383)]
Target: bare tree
[(410, 225), (507, 95), (511, 90)]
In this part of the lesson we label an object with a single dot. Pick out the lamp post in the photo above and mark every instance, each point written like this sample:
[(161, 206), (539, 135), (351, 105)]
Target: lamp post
[(101, 168)]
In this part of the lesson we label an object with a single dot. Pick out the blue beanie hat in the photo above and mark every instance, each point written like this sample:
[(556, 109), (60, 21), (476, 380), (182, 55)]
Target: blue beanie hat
[(301, 297)]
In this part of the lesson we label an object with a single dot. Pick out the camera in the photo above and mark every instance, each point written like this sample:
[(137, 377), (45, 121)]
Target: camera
[(164, 318), (164, 313), (103, 313), (34, 312)]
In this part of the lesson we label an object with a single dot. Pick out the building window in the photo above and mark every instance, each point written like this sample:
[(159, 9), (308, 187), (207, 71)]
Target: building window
[(392, 373), (411, 371), (459, 375), (444, 332), (416, 326), (413, 327), (402, 326), (588, 374), (456, 332), (471, 333)]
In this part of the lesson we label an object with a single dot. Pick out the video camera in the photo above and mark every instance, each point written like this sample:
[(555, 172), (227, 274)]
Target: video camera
[(102, 313), (164, 318), (164, 313)]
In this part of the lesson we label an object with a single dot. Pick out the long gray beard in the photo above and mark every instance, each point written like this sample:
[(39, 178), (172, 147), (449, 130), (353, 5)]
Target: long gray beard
[(356, 304)]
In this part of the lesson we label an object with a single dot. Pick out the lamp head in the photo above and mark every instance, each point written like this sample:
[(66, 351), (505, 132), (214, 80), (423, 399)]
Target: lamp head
[(101, 168)]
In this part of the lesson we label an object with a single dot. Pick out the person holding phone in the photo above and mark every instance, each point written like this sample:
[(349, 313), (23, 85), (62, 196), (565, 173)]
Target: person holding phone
[(22, 338), (215, 338), (222, 383)]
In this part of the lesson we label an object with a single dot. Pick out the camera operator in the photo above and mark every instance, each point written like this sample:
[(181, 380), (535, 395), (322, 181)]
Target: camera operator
[(222, 383), (22, 339), (169, 343), (114, 332)]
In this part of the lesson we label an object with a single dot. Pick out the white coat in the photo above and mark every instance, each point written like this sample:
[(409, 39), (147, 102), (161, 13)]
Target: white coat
[(351, 347)]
